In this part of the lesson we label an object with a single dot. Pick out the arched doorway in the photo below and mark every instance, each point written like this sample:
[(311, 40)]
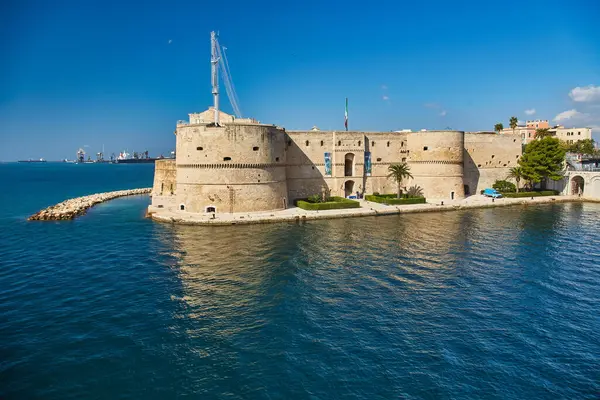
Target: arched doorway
[(349, 164), (348, 188), (211, 209), (577, 185)]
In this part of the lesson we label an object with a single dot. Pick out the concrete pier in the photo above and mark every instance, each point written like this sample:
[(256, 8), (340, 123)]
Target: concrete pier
[(72, 208)]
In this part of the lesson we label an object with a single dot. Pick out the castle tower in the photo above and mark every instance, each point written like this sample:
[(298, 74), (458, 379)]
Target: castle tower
[(436, 162), (234, 167)]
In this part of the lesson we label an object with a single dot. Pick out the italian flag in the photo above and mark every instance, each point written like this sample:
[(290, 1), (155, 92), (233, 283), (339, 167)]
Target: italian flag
[(346, 115)]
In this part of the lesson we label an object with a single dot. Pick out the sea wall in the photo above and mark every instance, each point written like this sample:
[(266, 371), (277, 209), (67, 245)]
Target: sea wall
[(72, 208)]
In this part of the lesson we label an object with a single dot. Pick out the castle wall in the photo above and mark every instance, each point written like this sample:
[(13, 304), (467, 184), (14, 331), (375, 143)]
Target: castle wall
[(436, 163), (233, 168), (165, 184), (306, 150), (488, 158)]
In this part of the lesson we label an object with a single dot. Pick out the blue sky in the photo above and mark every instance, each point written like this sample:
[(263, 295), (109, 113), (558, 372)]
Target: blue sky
[(121, 73)]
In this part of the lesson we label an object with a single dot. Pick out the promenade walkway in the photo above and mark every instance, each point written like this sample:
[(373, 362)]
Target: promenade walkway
[(368, 208)]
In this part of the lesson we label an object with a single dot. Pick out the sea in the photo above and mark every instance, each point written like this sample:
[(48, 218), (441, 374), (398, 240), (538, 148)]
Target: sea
[(499, 303)]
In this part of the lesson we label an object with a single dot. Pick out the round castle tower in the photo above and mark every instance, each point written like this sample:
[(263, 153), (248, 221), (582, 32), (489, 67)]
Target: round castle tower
[(235, 167), (436, 162)]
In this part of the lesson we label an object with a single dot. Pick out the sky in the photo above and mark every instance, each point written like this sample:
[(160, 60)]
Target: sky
[(119, 74)]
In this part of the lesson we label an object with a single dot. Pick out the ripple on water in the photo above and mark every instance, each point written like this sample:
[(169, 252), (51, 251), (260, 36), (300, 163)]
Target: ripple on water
[(498, 302)]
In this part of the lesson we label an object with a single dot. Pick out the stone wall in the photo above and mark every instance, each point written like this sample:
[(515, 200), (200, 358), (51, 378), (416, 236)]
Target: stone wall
[(488, 158), (165, 184)]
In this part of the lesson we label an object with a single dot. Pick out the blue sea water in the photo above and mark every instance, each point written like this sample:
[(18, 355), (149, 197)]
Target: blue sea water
[(497, 303)]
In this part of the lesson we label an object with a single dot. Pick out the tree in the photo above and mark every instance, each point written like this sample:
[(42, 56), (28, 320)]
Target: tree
[(541, 133), (415, 191), (498, 127), (513, 123), (515, 173), (543, 159), (504, 186), (399, 172), (585, 146)]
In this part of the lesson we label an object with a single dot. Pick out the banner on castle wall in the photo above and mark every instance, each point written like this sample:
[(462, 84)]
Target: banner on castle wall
[(367, 163), (327, 164)]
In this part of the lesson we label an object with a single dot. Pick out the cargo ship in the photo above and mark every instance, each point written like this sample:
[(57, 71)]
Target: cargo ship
[(141, 158)]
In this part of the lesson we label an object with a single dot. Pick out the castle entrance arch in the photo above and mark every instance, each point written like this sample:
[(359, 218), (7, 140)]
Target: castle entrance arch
[(349, 164), (577, 185), (348, 188)]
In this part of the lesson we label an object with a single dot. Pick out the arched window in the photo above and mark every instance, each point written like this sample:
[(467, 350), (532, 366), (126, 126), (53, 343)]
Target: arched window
[(307, 143), (321, 143), (339, 142), (359, 143), (388, 144), (372, 144)]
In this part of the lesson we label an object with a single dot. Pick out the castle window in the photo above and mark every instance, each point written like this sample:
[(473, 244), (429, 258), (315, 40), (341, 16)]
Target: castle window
[(321, 143), (162, 186), (226, 158), (160, 206), (307, 143), (372, 144), (182, 207), (425, 148), (404, 159), (478, 165), (255, 148), (199, 148), (401, 144), (276, 159), (359, 143), (379, 159), (493, 156), (504, 165), (339, 142), (388, 144)]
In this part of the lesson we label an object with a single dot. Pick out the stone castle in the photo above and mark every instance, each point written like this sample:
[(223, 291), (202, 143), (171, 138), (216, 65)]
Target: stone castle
[(241, 165)]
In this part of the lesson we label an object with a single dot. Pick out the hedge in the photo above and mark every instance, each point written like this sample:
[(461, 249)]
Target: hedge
[(337, 203), (392, 200), (532, 194)]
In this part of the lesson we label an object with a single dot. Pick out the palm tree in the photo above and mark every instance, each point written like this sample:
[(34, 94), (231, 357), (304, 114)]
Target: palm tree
[(516, 173), (498, 127), (513, 123), (399, 172), (415, 191)]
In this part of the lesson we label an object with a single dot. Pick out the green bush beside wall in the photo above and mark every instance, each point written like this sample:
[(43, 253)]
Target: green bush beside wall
[(532, 194), (336, 203), (392, 200)]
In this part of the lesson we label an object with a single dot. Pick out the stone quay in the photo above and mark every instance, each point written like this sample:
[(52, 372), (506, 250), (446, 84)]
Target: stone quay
[(69, 209)]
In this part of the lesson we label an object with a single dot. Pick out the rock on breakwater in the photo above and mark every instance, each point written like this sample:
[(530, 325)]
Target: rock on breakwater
[(72, 208)]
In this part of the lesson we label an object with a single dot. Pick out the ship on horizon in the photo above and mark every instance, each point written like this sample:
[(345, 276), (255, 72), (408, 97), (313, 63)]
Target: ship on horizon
[(41, 160)]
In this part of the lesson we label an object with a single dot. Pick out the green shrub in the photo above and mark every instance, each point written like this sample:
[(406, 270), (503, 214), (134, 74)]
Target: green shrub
[(504, 186), (315, 198), (391, 199), (531, 194), (335, 203)]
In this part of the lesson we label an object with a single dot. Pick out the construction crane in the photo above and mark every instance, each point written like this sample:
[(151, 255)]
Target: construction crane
[(218, 61)]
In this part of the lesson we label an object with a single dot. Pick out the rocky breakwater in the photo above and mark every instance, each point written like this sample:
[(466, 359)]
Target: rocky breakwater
[(72, 208)]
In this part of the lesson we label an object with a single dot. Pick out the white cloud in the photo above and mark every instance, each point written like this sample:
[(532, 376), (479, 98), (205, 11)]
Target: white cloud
[(170, 41), (443, 113), (385, 98), (569, 114), (585, 94), (530, 111), (384, 87)]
